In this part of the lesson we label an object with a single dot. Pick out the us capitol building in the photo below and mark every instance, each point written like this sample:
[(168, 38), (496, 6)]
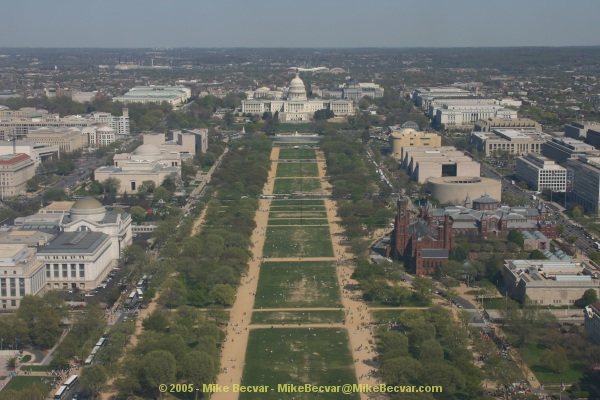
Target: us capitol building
[(296, 107)]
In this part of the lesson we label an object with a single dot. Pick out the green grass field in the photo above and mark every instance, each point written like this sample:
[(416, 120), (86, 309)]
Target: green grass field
[(19, 383), (297, 185), (296, 214), (297, 356), (297, 284), (298, 241), (298, 208), (297, 317), (38, 368), (278, 203), (297, 169), (533, 352), (297, 154), (298, 221)]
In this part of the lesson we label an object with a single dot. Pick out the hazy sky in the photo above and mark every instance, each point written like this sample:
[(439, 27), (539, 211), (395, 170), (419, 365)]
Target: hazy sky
[(307, 23)]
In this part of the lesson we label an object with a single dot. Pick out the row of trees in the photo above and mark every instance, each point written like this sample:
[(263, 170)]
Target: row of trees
[(428, 348), (361, 200)]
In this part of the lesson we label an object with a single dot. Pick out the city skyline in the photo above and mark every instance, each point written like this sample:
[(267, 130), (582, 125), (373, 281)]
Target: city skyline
[(311, 24)]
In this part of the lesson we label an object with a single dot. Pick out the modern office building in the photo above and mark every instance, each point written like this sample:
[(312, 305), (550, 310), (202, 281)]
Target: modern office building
[(66, 139), (21, 274), (549, 283), (591, 321), (37, 152), (423, 163), (584, 172), (296, 107), (146, 163), (174, 95), (412, 138), (99, 135), (120, 124), (489, 124), (561, 149), (593, 136), (578, 130), (185, 141), (541, 173), (15, 171), (510, 141)]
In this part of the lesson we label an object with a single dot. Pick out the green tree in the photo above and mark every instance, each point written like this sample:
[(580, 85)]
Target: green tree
[(158, 367), (198, 368), (424, 287), (217, 313), (157, 321), (173, 292), (93, 379), (555, 359), (590, 296), (111, 185), (161, 193), (537, 255), (223, 294), (578, 212), (516, 237), (138, 214)]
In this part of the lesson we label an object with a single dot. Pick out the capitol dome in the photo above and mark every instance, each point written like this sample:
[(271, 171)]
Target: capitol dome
[(297, 90), (147, 150)]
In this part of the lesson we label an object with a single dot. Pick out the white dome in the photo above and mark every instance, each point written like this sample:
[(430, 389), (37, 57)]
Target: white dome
[(147, 150), (297, 91)]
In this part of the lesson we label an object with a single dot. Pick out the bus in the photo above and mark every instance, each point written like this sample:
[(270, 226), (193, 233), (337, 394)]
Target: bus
[(71, 381), (140, 294), (132, 299), (61, 393), (102, 342), (89, 360), (142, 282), (93, 353), (597, 246)]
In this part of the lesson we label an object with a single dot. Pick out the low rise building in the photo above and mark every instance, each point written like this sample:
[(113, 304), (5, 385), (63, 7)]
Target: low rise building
[(561, 149), (15, 171), (425, 95), (77, 260), (578, 130), (185, 141), (463, 113), (21, 274), (489, 124), (67, 139), (454, 190), (549, 283), (423, 163), (174, 95), (510, 141), (541, 173), (146, 163), (535, 240), (37, 152), (412, 138), (99, 135)]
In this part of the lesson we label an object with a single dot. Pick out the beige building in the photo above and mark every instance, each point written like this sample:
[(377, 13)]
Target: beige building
[(174, 95), (454, 190), (489, 124), (511, 141), (146, 163), (549, 283), (67, 139), (15, 171), (99, 135), (423, 163), (186, 141), (412, 138), (20, 274)]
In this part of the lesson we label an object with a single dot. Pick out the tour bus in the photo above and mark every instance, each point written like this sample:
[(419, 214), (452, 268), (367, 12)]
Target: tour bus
[(71, 381), (94, 351), (61, 393), (140, 294), (142, 282), (132, 299), (89, 360), (102, 342), (597, 245)]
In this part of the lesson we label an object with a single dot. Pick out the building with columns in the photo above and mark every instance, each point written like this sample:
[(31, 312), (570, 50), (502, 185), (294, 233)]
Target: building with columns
[(296, 107), (20, 274)]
